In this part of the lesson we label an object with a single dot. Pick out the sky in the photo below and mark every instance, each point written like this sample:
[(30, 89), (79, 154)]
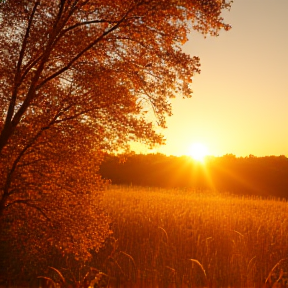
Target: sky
[(240, 100)]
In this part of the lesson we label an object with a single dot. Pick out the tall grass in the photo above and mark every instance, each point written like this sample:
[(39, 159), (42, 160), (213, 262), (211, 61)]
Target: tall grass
[(178, 238)]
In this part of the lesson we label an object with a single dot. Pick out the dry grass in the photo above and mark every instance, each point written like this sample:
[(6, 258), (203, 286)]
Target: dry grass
[(178, 238)]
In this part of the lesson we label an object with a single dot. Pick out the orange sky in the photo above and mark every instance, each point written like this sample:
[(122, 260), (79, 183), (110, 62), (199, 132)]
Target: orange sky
[(240, 99)]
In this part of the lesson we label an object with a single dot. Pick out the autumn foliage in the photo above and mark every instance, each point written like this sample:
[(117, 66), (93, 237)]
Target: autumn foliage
[(76, 78)]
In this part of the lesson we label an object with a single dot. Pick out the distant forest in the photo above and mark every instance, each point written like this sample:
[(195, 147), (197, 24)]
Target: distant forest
[(261, 176)]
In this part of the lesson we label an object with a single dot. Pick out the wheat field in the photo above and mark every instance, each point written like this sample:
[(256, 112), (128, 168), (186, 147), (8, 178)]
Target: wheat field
[(185, 238)]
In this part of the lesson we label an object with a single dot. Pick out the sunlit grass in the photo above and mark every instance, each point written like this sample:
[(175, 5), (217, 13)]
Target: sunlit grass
[(236, 240)]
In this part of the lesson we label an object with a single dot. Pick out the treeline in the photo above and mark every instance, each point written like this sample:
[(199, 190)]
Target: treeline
[(261, 176)]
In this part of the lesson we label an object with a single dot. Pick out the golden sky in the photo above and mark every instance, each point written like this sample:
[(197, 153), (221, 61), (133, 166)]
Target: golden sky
[(240, 99)]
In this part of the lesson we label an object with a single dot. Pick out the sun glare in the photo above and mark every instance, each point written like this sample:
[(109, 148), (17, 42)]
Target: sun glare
[(198, 152)]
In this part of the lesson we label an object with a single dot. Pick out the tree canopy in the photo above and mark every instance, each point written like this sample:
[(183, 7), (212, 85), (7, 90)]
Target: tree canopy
[(76, 78)]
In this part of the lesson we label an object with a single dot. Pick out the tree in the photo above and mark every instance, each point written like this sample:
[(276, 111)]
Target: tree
[(77, 77)]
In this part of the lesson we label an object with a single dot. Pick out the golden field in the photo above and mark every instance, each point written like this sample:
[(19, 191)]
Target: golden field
[(186, 238)]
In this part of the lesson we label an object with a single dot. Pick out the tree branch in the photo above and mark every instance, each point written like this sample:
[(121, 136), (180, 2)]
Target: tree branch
[(88, 47), (27, 202), (7, 129), (31, 142), (86, 23), (21, 56)]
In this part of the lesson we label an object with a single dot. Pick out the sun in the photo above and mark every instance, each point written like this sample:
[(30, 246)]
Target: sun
[(198, 152)]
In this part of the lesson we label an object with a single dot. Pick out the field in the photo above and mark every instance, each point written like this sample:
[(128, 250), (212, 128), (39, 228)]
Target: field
[(185, 238)]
